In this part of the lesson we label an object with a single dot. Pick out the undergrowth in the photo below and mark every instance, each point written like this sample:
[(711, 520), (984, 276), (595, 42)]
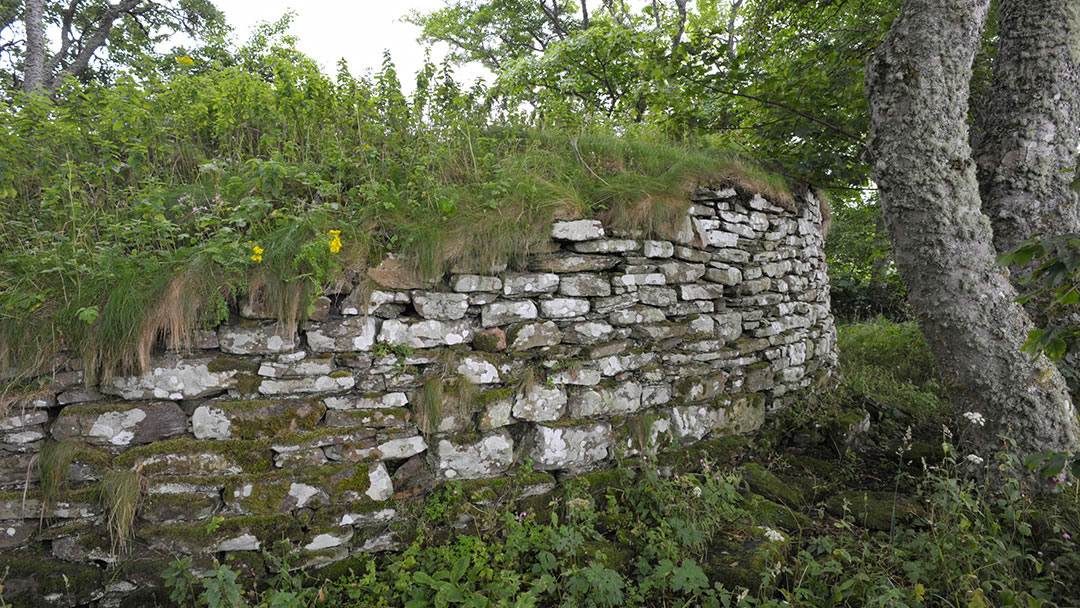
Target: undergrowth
[(696, 535), (136, 213)]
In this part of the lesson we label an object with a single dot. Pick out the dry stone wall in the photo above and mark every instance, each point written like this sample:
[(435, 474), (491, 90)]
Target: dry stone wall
[(607, 344)]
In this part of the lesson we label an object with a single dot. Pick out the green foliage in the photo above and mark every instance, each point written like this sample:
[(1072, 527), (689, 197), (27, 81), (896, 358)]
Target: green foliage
[(863, 282), (1051, 266), (137, 213)]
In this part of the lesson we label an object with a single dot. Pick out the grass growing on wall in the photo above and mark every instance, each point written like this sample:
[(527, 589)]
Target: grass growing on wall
[(133, 214)]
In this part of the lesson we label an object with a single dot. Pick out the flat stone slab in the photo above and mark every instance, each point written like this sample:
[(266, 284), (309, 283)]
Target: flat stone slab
[(426, 334), (568, 447), (173, 378), (344, 335), (504, 313), (120, 424), (577, 230), (255, 340), (470, 457)]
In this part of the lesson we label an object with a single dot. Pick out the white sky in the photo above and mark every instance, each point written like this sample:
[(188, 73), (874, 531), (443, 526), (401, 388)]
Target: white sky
[(358, 30)]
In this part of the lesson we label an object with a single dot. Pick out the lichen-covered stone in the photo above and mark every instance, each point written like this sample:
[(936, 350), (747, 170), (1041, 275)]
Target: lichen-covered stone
[(478, 370), (255, 339), (576, 375), (533, 335), (636, 315), (563, 262), (363, 401), (564, 308), (622, 398), (588, 332), (473, 457), (426, 334), (530, 284), (332, 383), (291, 366), (470, 283), (658, 249), (584, 285), (496, 407), (570, 446), (539, 403), (257, 418), (657, 296), (577, 230), (505, 313), (344, 335), (440, 306), (700, 388), (379, 419), (699, 291), (23, 419), (606, 246), (174, 378), (120, 424)]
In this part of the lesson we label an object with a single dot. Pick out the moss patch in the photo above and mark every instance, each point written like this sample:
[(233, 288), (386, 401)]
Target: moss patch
[(874, 510), (770, 486), (191, 456), (232, 364), (260, 418)]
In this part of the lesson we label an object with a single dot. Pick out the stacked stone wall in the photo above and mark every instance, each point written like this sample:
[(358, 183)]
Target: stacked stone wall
[(606, 345)]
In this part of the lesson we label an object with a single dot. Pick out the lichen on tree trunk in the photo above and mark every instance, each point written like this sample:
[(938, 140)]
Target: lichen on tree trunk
[(917, 87), (1027, 144)]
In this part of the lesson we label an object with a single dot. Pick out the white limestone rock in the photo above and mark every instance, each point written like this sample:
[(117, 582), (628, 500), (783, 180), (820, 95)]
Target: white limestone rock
[(578, 230), (530, 284), (344, 335), (504, 313), (623, 398), (440, 306), (255, 340), (488, 456), (539, 403), (569, 447)]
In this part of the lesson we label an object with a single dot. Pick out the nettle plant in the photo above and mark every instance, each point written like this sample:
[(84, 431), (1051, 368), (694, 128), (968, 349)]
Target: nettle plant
[(1053, 265)]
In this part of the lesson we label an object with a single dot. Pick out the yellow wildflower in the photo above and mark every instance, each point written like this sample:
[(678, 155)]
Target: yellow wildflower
[(335, 241), (185, 60), (258, 253)]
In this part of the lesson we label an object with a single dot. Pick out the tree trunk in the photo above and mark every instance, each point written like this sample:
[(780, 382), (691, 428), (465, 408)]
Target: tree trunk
[(1032, 124), (917, 88), (34, 62)]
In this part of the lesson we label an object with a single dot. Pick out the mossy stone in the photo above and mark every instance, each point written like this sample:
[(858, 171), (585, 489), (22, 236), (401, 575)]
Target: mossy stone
[(249, 456), (769, 513), (32, 575), (232, 364), (772, 487), (613, 555), (874, 510), (722, 450)]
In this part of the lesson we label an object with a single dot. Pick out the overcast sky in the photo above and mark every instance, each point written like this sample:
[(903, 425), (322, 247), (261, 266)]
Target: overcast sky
[(358, 30)]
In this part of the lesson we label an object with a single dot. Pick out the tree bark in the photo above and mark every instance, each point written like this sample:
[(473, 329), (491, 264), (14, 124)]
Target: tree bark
[(917, 89), (34, 62), (1032, 126)]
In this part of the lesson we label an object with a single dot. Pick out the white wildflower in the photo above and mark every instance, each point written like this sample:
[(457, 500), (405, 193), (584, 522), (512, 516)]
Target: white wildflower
[(696, 492), (975, 418), (974, 459), (773, 535)]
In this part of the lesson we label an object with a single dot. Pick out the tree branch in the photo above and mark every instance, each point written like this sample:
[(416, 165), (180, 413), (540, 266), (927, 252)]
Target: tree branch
[(777, 104), (96, 40)]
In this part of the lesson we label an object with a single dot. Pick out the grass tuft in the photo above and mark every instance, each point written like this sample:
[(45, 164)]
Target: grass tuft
[(53, 462), (120, 495)]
